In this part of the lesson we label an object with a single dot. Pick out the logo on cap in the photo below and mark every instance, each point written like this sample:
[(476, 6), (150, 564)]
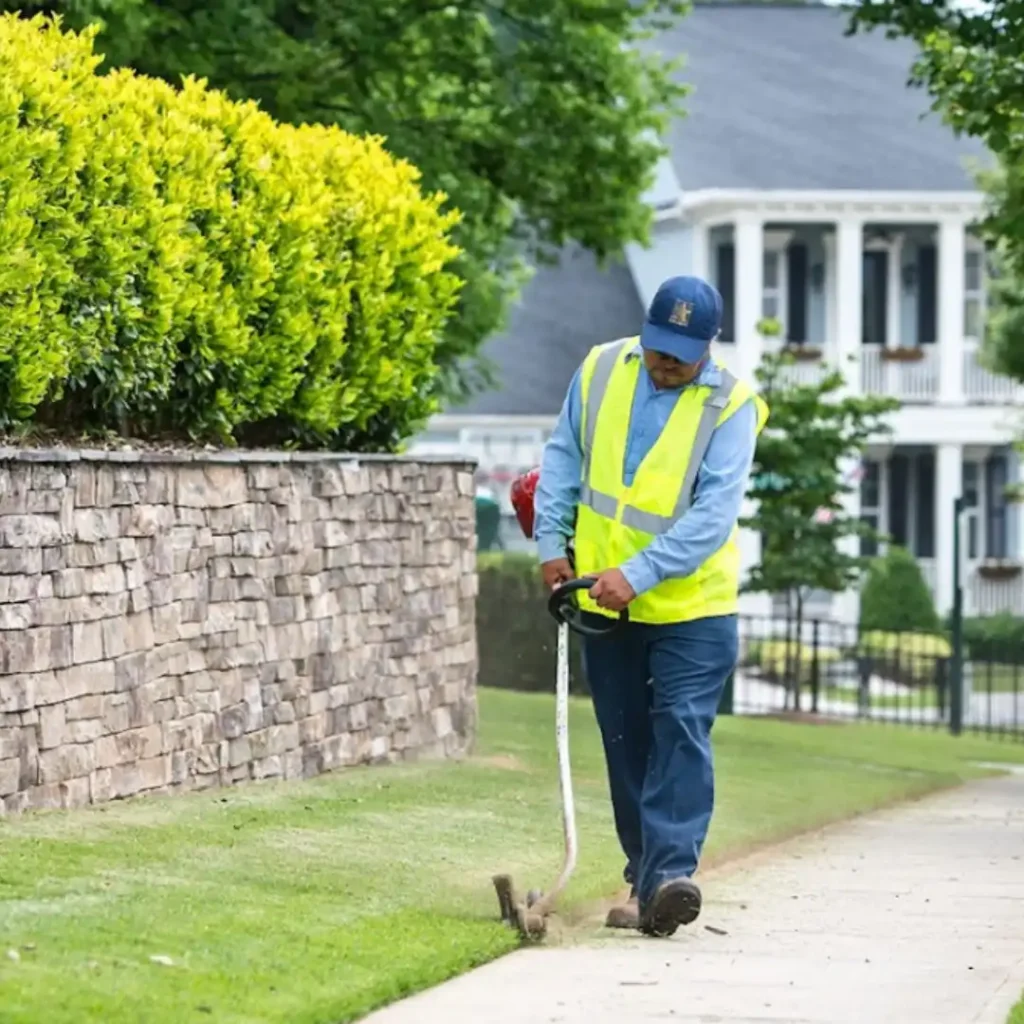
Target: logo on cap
[(681, 313)]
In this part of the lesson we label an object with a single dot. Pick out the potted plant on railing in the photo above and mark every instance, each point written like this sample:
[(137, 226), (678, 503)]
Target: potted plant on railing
[(903, 354), (798, 351), (999, 570)]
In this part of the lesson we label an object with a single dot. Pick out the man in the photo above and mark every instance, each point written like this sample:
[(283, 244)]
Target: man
[(645, 474)]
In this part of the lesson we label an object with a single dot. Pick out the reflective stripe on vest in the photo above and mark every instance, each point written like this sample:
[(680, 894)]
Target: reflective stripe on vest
[(606, 504)]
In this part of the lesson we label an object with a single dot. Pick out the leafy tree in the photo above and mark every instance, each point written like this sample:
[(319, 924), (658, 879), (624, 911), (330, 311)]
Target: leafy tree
[(798, 481), (896, 597), (970, 63), (539, 119)]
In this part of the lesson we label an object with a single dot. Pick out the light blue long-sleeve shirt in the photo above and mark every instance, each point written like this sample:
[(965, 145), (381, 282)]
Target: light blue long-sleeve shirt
[(721, 480)]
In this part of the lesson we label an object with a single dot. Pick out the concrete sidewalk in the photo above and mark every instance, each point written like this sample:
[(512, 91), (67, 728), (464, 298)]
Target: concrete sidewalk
[(909, 916)]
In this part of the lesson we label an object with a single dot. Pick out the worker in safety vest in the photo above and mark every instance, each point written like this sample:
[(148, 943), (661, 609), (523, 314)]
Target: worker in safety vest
[(645, 473)]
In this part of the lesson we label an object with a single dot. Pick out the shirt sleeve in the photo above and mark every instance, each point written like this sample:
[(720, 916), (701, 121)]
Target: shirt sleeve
[(558, 490), (707, 524)]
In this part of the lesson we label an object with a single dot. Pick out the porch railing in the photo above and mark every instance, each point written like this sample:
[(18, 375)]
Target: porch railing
[(984, 596), (982, 385), (909, 381)]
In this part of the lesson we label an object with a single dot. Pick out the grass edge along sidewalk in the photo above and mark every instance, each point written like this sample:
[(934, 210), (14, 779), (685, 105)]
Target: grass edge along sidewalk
[(1017, 1013), (315, 902)]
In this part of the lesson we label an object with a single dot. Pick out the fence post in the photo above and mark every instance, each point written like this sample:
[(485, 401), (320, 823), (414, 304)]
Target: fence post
[(956, 674), (815, 668)]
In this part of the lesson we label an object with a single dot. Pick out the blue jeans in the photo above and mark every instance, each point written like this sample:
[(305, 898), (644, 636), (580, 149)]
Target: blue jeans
[(656, 691)]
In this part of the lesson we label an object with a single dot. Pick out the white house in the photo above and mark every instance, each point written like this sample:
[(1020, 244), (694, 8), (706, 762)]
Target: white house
[(812, 186)]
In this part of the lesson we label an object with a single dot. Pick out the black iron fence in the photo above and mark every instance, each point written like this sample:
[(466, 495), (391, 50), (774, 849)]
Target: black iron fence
[(838, 671)]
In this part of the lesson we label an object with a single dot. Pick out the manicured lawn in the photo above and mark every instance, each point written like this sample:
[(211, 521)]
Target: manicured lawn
[(313, 902)]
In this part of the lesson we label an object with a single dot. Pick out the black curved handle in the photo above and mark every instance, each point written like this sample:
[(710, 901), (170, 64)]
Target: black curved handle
[(564, 608)]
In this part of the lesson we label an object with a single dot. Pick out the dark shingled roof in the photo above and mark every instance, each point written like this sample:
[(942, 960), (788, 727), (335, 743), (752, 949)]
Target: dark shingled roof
[(782, 99), (564, 311)]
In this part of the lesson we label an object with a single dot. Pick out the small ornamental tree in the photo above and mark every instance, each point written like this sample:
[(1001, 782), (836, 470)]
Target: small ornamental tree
[(799, 482)]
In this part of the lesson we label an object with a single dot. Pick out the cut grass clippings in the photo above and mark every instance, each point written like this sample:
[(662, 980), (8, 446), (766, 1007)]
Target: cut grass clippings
[(314, 902)]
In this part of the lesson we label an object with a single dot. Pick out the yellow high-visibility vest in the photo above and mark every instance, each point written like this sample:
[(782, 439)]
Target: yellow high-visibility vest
[(615, 522)]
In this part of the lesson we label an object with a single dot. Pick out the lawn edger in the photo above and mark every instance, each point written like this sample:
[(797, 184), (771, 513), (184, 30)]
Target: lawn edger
[(529, 916)]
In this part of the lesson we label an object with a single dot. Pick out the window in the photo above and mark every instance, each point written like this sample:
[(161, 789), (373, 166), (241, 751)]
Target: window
[(974, 293), (870, 505), (771, 296)]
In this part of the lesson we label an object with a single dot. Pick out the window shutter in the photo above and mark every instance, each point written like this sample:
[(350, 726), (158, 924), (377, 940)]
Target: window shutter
[(725, 277), (927, 298), (796, 306)]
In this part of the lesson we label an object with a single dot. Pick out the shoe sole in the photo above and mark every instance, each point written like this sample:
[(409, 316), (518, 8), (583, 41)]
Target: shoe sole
[(672, 908), (622, 920)]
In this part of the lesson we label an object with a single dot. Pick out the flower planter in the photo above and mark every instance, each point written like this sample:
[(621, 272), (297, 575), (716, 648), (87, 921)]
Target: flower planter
[(802, 353), (999, 571), (902, 355)]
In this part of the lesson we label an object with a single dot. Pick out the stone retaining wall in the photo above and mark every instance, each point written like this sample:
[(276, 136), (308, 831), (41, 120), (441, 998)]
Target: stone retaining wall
[(173, 621)]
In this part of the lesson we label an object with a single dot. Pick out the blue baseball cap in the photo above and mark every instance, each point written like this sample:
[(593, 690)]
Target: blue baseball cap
[(684, 318)]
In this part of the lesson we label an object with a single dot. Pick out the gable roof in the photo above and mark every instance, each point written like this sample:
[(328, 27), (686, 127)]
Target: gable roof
[(782, 99), (563, 312)]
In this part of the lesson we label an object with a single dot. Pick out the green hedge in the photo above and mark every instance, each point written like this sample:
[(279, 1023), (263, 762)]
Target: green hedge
[(175, 263), (995, 638), (516, 637)]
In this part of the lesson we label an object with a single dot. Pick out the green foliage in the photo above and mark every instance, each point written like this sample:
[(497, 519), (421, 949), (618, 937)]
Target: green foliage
[(896, 597), (173, 262), (539, 119), (517, 638), (813, 429), (784, 659), (892, 646), (995, 638), (969, 61)]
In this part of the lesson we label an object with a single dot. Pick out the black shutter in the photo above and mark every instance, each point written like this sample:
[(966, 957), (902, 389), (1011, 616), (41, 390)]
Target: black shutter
[(927, 295), (925, 470), (796, 306), (995, 483), (725, 277)]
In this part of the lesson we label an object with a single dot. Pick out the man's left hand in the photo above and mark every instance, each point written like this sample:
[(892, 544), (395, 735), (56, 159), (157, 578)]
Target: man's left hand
[(611, 590)]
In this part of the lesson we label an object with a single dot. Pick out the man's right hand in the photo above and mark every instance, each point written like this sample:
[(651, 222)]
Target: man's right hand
[(556, 572)]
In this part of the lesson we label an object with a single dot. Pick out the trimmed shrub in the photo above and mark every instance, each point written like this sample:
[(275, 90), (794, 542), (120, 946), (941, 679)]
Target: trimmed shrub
[(770, 656), (516, 637), (896, 597), (176, 263)]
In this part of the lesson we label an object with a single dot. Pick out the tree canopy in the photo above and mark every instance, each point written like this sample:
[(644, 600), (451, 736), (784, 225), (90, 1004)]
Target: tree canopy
[(539, 119)]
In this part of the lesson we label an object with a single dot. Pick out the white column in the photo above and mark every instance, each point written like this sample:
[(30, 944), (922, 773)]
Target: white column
[(948, 482), (749, 242), (849, 298), (849, 315), (951, 311), (700, 255)]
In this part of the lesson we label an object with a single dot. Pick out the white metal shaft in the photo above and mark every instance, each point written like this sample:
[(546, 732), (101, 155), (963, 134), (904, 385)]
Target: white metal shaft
[(564, 772)]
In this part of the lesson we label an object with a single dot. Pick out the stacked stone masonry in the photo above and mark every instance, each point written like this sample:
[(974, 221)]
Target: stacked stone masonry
[(182, 621)]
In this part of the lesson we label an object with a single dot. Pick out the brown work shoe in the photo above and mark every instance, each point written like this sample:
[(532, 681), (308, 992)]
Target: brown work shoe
[(674, 903), (625, 915)]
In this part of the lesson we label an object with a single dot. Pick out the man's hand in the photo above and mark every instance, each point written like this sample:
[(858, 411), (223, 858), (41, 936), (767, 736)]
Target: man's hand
[(556, 572), (611, 590)]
